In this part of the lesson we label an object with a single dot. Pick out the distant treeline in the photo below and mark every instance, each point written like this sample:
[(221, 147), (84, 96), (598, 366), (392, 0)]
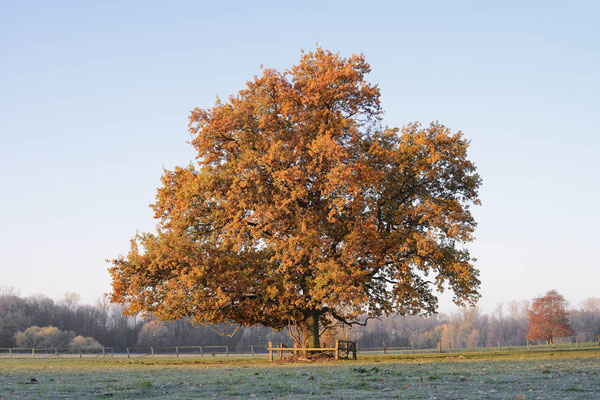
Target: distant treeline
[(105, 323), (507, 325)]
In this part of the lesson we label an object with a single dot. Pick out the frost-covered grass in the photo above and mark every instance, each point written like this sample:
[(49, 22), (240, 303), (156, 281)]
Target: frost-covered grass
[(518, 375)]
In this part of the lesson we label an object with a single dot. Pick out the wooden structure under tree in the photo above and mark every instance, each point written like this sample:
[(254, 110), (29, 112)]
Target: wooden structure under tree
[(343, 349)]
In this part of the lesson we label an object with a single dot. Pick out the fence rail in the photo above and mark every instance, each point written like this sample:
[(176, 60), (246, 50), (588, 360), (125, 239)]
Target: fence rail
[(344, 348), (13, 352)]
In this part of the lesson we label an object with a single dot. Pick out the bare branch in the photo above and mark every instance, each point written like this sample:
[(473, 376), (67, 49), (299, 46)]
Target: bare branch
[(227, 334), (349, 323)]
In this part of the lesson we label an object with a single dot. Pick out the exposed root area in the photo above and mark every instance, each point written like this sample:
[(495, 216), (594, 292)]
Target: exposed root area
[(312, 357)]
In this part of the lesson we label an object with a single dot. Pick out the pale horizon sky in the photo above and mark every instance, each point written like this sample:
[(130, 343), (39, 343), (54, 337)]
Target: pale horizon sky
[(94, 100)]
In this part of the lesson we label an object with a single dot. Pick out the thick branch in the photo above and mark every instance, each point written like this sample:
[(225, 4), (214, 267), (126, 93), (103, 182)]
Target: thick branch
[(227, 334), (346, 322)]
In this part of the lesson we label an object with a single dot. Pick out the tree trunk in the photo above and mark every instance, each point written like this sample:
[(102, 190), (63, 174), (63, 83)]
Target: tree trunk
[(313, 330)]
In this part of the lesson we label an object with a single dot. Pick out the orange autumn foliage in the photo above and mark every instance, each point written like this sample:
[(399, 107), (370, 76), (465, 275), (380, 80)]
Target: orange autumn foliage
[(303, 209), (548, 318)]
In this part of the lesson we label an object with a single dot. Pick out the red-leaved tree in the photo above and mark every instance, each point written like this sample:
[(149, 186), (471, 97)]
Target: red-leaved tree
[(548, 318)]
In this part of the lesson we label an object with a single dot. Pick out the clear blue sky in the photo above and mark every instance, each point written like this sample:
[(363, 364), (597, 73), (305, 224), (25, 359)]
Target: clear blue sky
[(94, 99)]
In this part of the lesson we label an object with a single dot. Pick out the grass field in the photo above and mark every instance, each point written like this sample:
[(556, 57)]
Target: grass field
[(552, 374)]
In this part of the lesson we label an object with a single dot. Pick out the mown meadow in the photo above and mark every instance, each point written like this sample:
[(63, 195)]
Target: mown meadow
[(548, 374)]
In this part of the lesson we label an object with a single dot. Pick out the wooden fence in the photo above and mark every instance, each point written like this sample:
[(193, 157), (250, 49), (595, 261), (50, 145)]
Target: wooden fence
[(342, 349), (15, 352), (129, 352), (176, 351), (449, 347)]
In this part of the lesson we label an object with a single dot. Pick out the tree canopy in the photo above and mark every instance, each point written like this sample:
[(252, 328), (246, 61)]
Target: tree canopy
[(44, 337), (303, 209), (548, 318)]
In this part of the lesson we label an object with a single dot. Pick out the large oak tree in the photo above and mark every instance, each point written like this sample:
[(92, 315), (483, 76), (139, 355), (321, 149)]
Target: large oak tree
[(302, 209)]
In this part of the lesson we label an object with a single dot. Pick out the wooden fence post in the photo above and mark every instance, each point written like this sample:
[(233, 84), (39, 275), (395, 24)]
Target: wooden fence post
[(177, 351), (354, 350), (252, 350), (79, 353), (270, 351), (33, 352), (103, 352), (473, 347), (440, 344), (281, 351), (384, 348), (112, 351), (576, 342), (56, 352), (128, 355), (599, 339), (201, 352), (412, 347), (449, 347), (152, 351), (227, 350), (498, 345), (337, 350), (10, 352)]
